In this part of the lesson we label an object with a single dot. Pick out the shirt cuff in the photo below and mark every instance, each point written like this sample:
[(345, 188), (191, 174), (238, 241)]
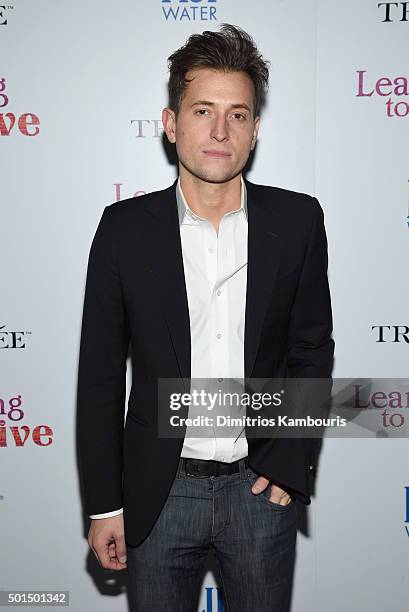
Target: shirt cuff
[(106, 514)]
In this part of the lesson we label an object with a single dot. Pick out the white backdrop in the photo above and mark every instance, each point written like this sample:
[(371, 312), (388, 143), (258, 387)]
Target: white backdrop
[(88, 80)]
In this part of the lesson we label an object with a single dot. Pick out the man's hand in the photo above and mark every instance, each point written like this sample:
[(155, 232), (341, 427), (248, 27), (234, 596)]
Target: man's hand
[(277, 495), (107, 540)]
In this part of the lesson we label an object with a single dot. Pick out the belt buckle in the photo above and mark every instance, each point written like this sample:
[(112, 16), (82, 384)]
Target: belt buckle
[(195, 473)]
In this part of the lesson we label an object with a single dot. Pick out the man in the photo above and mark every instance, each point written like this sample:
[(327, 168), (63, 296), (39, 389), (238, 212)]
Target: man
[(216, 278)]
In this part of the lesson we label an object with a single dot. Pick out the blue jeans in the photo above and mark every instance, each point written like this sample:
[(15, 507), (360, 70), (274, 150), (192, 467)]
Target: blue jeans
[(252, 538)]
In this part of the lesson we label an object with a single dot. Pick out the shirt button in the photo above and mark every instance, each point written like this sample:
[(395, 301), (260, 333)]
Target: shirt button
[(221, 458), (210, 250), (218, 336), (218, 292), (220, 380)]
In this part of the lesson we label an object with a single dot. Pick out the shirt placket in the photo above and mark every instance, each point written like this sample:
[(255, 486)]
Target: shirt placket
[(220, 301)]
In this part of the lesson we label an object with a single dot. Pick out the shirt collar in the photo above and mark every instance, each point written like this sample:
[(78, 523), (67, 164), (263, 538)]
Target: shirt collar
[(183, 205)]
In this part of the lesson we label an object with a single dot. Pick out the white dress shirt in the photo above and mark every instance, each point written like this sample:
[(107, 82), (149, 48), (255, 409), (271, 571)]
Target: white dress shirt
[(215, 268)]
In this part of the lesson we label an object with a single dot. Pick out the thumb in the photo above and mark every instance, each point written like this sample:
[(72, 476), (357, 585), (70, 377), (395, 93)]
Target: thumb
[(120, 548), (260, 484)]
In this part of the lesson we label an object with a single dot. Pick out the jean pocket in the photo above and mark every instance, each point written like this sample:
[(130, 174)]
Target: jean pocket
[(264, 496)]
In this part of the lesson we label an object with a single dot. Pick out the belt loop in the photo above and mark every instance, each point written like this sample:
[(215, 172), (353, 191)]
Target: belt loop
[(242, 468), (181, 471)]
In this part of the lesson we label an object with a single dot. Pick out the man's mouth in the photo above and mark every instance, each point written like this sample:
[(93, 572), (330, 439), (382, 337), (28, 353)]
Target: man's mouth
[(217, 153)]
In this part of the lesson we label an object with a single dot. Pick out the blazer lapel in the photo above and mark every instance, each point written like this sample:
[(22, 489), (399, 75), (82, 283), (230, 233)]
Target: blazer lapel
[(264, 251), (167, 263)]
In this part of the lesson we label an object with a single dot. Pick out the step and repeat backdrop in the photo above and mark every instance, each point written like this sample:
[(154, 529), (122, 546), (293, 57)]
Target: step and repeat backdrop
[(82, 86)]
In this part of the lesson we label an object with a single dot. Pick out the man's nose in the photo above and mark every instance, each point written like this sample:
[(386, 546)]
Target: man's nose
[(220, 130)]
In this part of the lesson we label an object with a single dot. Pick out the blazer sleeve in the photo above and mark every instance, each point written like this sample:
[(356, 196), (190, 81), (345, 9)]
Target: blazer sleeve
[(310, 346), (102, 374), (310, 343)]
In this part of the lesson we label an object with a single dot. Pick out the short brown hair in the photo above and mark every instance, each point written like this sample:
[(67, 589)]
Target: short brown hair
[(231, 50)]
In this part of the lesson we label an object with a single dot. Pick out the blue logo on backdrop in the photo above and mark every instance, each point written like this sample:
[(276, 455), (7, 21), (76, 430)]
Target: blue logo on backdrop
[(217, 600), (189, 10), (407, 510)]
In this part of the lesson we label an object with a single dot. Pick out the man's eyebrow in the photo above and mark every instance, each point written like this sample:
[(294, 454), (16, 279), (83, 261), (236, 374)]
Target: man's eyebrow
[(204, 102), (207, 103), (242, 105)]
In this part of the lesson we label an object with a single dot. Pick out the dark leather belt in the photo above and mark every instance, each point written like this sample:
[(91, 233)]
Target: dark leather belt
[(201, 468)]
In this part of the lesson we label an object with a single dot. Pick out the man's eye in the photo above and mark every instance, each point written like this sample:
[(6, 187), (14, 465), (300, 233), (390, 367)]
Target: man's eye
[(201, 111), (239, 116)]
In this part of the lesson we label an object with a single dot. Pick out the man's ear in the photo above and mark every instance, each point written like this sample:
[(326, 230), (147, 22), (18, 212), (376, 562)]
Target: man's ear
[(255, 132), (169, 123)]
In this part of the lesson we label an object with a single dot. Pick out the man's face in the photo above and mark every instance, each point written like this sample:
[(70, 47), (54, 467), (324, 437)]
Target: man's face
[(215, 129)]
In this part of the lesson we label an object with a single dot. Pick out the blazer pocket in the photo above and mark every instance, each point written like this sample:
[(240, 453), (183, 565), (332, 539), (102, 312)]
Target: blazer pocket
[(136, 419)]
